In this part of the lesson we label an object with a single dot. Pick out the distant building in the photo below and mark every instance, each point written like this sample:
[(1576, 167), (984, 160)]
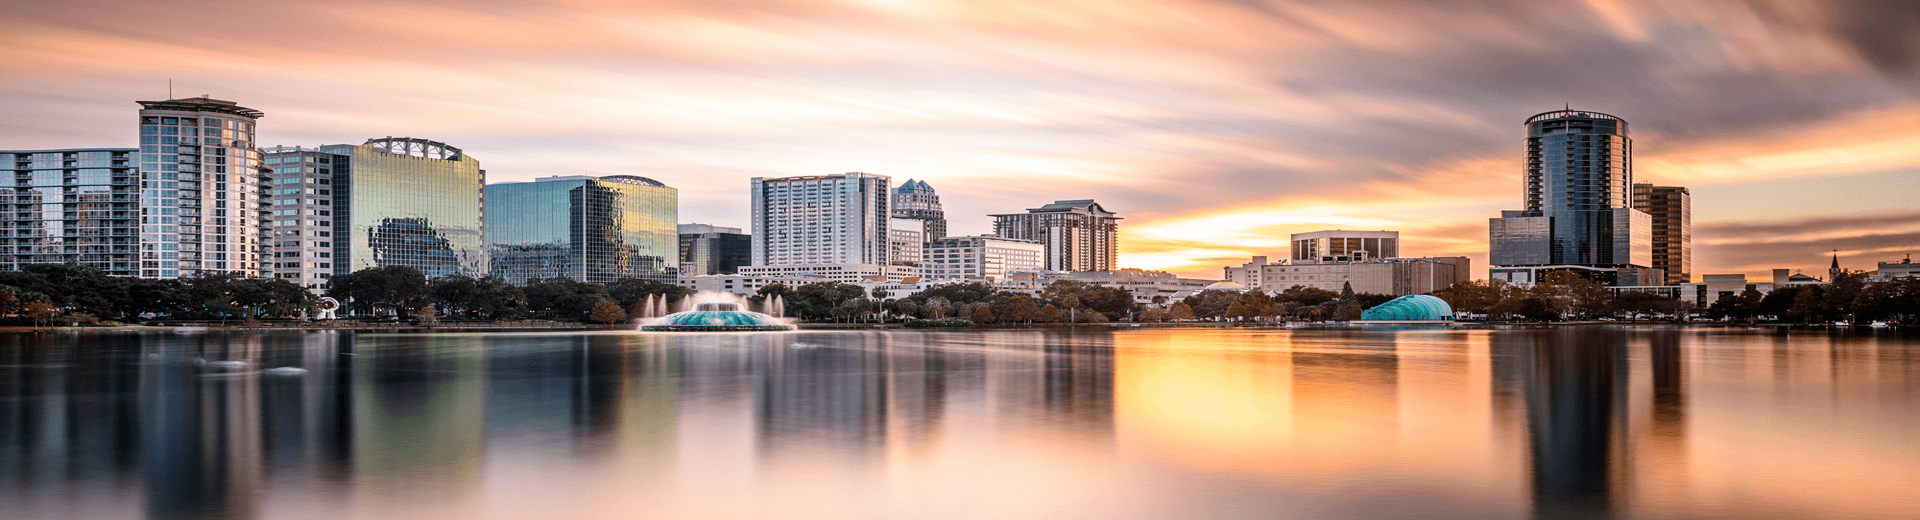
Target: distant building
[(820, 220), (201, 204), (1891, 270), (303, 204), (1671, 210), (590, 229), (1077, 235), (1248, 274), (76, 206), (916, 201), (1344, 246), (984, 258), (1579, 205), (1388, 276), (406, 201), (905, 240), (804, 273), (706, 249)]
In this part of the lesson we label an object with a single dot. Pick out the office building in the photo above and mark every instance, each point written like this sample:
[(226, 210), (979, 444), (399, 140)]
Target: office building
[(200, 204), (916, 201), (801, 274), (407, 201), (986, 258), (1344, 246), (1390, 276), (707, 249), (1579, 203), (77, 206), (1077, 235), (821, 220), (905, 240), (300, 217), (1890, 271), (589, 229), (1671, 209)]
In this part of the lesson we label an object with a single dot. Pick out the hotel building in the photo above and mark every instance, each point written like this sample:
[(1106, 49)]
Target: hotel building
[(1076, 235)]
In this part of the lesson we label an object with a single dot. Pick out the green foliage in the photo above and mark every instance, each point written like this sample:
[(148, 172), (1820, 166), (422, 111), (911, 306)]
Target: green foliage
[(394, 288)]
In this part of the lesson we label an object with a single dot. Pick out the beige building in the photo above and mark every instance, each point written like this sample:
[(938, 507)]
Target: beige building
[(1389, 276), (1339, 245), (982, 258)]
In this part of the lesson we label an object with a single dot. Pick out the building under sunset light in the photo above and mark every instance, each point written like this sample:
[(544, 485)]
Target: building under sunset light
[(1579, 203), (1078, 235), (201, 206)]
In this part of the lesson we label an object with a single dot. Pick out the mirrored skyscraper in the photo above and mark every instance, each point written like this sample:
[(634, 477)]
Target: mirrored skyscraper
[(408, 201), (1579, 198), (200, 188), (72, 207), (590, 229)]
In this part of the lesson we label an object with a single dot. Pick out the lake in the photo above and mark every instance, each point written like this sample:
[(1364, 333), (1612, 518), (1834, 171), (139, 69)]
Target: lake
[(1572, 422)]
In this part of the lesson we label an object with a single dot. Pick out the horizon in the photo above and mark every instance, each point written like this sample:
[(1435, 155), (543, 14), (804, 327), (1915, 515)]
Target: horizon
[(1216, 129)]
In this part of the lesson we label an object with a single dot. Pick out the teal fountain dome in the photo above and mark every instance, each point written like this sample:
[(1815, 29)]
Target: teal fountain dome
[(1413, 307), (716, 317)]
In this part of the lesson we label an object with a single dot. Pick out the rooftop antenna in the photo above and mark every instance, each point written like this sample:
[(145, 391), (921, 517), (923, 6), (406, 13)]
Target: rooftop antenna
[(169, 88)]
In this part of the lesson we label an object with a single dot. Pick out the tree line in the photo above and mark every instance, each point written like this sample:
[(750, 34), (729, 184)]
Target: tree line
[(1848, 298), (72, 293), (404, 291), (1064, 301)]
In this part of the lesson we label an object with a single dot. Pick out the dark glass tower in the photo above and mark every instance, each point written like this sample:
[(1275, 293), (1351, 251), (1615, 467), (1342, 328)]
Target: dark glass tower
[(1579, 197)]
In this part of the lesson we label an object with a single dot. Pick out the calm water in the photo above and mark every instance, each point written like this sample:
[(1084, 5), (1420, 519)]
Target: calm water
[(1167, 423)]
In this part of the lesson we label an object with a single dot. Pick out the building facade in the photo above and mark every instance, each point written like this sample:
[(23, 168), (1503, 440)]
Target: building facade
[(1389, 276), (300, 217), (1670, 208), (821, 220), (77, 206), (412, 202), (200, 204), (1076, 235), (589, 229), (916, 201), (905, 241), (708, 249), (1579, 198), (1344, 246), (987, 258)]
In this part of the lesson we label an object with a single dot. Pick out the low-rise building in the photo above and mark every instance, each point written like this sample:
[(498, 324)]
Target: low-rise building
[(1891, 270), (981, 258), (849, 273)]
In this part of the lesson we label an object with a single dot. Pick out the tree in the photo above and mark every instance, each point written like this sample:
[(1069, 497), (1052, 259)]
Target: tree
[(1210, 303), (606, 311), (1048, 314), (1022, 309), (42, 313), (1237, 311), (393, 287), (428, 315), (628, 292), (1348, 309), (484, 297), (982, 315), (1180, 312), (563, 298)]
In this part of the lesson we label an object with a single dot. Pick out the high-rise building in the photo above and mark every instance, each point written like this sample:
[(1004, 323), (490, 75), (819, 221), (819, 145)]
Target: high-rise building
[(1344, 246), (915, 200), (1671, 208), (905, 240), (1579, 202), (706, 249), (301, 215), (79, 206), (590, 229), (200, 187), (821, 220), (1078, 235), (408, 201), (979, 258)]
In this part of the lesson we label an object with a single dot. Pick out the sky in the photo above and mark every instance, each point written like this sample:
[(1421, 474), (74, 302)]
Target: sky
[(1214, 127)]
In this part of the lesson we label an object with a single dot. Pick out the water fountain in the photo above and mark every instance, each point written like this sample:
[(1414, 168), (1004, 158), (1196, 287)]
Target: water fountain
[(713, 311)]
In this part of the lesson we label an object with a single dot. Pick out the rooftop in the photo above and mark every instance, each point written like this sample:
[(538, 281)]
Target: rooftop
[(1570, 114), (202, 104)]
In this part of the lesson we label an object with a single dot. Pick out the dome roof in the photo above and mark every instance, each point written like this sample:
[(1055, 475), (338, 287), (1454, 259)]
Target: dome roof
[(1226, 285), (1413, 307)]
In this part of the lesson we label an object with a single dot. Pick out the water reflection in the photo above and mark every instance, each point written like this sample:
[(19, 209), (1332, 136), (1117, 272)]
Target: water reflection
[(1569, 423)]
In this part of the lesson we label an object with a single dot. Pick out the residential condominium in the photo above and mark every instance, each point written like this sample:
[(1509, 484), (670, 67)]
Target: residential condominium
[(820, 220), (589, 229), (1671, 208), (1579, 214), (77, 206), (1076, 235), (301, 190), (200, 183)]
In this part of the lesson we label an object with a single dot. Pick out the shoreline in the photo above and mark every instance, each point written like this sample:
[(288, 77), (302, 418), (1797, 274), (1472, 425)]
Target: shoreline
[(562, 326)]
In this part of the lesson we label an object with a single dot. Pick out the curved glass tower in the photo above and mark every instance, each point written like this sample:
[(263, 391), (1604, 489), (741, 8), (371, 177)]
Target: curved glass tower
[(412, 202), (590, 229), (1579, 197)]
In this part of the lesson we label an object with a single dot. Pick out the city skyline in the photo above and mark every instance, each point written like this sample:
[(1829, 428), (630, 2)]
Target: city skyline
[(1217, 129)]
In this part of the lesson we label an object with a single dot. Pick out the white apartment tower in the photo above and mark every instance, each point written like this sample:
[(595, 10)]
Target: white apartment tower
[(199, 188), (1078, 235), (821, 220)]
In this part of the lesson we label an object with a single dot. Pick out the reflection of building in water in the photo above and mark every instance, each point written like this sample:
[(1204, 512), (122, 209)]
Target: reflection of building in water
[(419, 406), (1574, 387), (832, 398), (1347, 393)]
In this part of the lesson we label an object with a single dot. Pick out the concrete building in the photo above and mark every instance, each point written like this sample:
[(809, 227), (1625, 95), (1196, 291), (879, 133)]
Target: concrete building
[(1344, 246), (1248, 274), (1078, 235), (905, 240), (983, 258), (1889, 271), (200, 204), (708, 249), (1579, 201), (1671, 210), (400, 201), (301, 211), (1389, 276), (848, 273), (590, 229), (74, 206), (916, 201), (821, 220)]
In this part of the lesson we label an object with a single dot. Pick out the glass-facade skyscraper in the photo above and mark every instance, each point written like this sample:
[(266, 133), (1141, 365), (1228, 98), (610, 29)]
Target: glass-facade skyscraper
[(78, 206), (199, 188), (1579, 198), (406, 201), (1672, 210), (590, 229)]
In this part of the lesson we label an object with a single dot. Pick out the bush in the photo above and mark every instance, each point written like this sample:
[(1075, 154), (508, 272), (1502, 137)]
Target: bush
[(939, 323)]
